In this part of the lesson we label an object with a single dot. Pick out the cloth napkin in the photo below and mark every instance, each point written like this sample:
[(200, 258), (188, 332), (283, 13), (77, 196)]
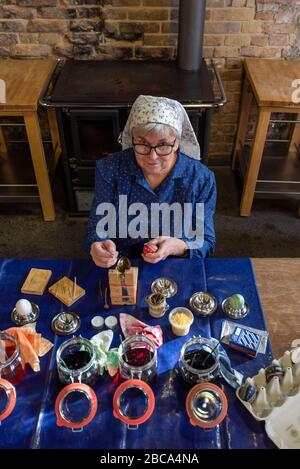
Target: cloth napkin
[(32, 344), (107, 359), (132, 326)]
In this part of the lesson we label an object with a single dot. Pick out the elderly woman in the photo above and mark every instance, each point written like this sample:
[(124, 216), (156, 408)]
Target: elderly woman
[(153, 192)]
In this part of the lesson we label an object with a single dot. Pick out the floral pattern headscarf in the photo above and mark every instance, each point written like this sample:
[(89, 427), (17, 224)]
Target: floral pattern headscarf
[(158, 110)]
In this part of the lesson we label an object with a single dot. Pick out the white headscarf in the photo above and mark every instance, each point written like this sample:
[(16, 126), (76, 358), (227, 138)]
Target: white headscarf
[(157, 110)]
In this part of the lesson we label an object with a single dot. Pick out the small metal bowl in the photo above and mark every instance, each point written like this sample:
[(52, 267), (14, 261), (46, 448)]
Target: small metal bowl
[(203, 304), (164, 285), (234, 313), (65, 323), (21, 320)]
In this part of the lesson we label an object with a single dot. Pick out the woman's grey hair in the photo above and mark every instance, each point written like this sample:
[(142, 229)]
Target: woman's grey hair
[(161, 129)]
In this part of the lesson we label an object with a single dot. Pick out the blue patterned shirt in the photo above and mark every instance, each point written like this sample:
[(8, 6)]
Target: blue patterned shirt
[(189, 181)]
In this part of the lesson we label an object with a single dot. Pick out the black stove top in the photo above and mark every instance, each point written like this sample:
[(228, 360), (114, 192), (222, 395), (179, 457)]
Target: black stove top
[(96, 82)]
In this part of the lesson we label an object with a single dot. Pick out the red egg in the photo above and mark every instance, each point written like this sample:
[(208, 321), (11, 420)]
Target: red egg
[(149, 248)]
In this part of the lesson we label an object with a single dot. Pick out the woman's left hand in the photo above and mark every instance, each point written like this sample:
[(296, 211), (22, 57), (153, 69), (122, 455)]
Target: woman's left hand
[(167, 246)]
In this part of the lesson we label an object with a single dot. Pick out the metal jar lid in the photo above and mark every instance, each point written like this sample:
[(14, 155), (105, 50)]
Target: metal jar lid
[(65, 323), (206, 405), (234, 313), (203, 304), (164, 285), (31, 317)]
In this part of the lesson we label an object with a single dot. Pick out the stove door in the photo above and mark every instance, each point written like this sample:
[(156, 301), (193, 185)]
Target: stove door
[(94, 134)]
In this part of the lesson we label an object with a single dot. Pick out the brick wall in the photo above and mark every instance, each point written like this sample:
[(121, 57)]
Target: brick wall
[(144, 29)]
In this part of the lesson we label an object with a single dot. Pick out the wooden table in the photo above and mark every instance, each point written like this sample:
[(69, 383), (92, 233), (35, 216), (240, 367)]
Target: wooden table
[(25, 80), (271, 84), (278, 282)]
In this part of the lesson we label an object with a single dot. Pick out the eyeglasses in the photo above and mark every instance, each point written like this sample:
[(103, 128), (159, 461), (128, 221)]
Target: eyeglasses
[(160, 150)]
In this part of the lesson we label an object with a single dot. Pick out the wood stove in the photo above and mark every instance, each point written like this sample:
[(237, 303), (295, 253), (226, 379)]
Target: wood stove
[(93, 98)]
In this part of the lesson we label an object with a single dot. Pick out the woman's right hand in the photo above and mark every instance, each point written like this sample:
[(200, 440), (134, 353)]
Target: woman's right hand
[(104, 253)]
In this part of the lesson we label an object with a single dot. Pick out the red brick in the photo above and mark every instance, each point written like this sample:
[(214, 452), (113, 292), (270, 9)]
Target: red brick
[(31, 50), (259, 40), (160, 40), (222, 28), (169, 27), (278, 40), (45, 25), (165, 53), (144, 14), (233, 14), (139, 27), (263, 52), (224, 51)]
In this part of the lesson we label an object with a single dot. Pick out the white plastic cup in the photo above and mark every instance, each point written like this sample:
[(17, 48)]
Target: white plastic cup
[(181, 329)]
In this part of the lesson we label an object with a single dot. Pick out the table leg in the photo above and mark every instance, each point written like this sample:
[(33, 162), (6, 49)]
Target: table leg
[(54, 135), (39, 164), (3, 147), (295, 138), (254, 161), (245, 108)]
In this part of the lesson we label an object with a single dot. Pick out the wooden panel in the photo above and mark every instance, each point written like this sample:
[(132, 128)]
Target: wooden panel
[(245, 109), (39, 164), (67, 291), (24, 80), (278, 283), (295, 137), (272, 80), (256, 153), (36, 281)]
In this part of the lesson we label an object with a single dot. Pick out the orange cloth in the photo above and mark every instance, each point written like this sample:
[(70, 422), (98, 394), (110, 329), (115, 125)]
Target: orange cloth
[(32, 344)]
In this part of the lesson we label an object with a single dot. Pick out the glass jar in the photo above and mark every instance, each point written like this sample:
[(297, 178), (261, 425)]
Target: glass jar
[(138, 358), (76, 361), (199, 360), (10, 359)]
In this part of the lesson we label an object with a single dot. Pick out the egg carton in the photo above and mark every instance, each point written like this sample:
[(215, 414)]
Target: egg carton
[(277, 402)]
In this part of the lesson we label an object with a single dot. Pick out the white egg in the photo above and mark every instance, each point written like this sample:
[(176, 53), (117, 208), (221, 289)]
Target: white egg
[(23, 308)]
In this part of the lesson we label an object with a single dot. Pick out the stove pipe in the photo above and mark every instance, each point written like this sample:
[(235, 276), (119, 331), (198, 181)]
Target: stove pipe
[(190, 35)]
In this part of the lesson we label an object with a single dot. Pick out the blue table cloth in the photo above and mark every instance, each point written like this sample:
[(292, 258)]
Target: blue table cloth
[(33, 422)]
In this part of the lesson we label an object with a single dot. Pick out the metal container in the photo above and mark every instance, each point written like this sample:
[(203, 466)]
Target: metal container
[(199, 360), (138, 358), (157, 304), (164, 285), (22, 319), (234, 313), (65, 323), (203, 304)]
